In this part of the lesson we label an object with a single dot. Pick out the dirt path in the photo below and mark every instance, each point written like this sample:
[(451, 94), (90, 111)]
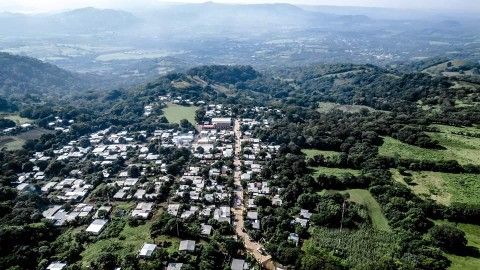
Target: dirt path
[(251, 246)]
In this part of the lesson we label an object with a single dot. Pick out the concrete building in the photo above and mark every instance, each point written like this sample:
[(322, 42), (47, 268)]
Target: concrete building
[(222, 123)]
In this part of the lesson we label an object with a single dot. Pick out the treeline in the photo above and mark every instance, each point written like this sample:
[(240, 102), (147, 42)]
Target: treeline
[(225, 74)]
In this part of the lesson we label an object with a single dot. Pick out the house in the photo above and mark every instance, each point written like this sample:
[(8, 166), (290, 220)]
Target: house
[(187, 245), (222, 123), (142, 210), (237, 264), (103, 209), (303, 222), (51, 211), (25, 187), (222, 214), (96, 226), (56, 266), (121, 194), (305, 214), (206, 229), (139, 194), (253, 215), (147, 250), (256, 224), (172, 209), (277, 201), (246, 176), (174, 266), (293, 237)]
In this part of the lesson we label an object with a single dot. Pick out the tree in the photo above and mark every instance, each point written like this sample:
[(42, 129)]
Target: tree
[(449, 238), (134, 171), (105, 261)]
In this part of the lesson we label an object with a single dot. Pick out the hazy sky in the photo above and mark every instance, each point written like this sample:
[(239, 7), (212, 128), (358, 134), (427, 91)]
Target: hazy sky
[(57, 5)]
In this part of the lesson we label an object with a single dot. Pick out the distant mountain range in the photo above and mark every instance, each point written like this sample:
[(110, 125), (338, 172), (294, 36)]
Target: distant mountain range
[(79, 21), (171, 17)]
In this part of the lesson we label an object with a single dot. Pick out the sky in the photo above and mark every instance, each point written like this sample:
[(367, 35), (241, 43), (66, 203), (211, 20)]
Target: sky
[(38, 6)]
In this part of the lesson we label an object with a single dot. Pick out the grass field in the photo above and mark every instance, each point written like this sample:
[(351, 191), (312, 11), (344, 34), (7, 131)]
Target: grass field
[(16, 142), (339, 172), (461, 148), (11, 143), (445, 188), (175, 113), (129, 241), (362, 196), (325, 107), (358, 247), (472, 233), (16, 118), (309, 153)]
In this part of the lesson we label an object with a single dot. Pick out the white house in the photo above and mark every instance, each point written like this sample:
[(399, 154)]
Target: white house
[(147, 250), (96, 226)]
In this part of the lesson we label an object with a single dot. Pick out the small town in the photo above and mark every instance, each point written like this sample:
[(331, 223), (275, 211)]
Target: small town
[(218, 188), (239, 135)]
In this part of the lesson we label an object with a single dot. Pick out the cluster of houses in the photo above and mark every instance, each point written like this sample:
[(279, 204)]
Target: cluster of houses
[(253, 154), (202, 192), (20, 128), (60, 124)]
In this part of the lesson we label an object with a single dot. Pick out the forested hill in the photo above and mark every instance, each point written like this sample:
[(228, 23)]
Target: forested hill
[(24, 75), (445, 98)]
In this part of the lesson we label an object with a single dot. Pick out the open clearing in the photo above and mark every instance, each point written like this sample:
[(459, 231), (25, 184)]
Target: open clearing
[(16, 142), (360, 247), (175, 113), (338, 172), (444, 188), (16, 118), (325, 107), (464, 149), (364, 197), (310, 153), (129, 241), (472, 233)]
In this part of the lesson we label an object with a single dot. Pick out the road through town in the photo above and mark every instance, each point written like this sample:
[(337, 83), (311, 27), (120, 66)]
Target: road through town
[(254, 248)]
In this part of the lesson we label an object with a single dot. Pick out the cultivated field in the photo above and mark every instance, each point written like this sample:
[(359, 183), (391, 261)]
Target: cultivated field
[(358, 247), (175, 113)]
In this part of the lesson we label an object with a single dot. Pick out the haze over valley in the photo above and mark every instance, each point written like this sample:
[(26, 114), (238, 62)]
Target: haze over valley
[(309, 135)]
